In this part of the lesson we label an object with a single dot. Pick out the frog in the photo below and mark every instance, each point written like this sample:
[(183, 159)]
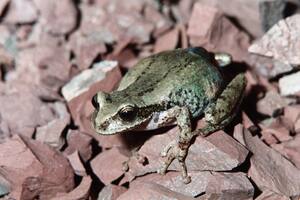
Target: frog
[(172, 87)]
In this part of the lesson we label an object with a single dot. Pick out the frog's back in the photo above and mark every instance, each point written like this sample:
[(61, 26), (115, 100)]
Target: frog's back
[(184, 77)]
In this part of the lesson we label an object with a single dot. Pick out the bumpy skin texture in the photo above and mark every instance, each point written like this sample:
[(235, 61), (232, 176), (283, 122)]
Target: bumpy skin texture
[(172, 86)]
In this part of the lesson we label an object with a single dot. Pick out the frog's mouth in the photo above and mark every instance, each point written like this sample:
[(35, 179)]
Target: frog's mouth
[(114, 126)]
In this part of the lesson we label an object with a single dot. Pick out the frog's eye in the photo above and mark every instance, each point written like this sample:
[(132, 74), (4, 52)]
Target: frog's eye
[(128, 113), (95, 102)]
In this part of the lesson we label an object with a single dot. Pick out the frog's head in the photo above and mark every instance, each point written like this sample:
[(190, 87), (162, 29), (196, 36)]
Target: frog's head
[(116, 114)]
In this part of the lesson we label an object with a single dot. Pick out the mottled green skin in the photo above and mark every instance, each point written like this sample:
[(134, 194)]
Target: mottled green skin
[(183, 77), (172, 86)]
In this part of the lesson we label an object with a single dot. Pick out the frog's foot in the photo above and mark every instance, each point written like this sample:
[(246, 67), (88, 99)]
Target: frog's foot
[(175, 150)]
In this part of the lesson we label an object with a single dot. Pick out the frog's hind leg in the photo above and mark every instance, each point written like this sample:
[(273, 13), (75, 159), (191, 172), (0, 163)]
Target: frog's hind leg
[(221, 113)]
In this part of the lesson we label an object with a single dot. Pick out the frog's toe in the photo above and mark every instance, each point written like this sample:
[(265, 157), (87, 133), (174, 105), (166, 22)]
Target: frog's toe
[(186, 179)]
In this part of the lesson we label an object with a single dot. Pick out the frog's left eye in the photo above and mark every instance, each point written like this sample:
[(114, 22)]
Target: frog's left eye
[(95, 102), (128, 113)]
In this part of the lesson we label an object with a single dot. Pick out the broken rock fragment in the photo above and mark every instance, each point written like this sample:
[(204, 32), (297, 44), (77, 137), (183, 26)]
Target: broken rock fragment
[(290, 84), (109, 171), (51, 133), (271, 11), (272, 104), (269, 170), (58, 17), (209, 28), (79, 193), (21, 11), (218, 152), (281, 42), (290, 149), (226, 185), (111, 192)]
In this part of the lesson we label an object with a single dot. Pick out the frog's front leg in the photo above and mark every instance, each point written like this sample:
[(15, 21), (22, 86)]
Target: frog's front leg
[(221, 113), (178, 149)]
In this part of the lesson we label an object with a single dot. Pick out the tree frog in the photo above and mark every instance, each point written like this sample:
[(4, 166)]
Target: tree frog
[(171, 87)]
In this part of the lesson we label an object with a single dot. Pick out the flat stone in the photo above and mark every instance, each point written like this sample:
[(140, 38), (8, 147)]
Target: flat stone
[(271, 11), (76, 163), (51, 133), (270, 170), (226, 185), (269, 195), (167, 41), (83, 81), (281, 42), (216, 32), (152, 191), (3, 5), (37, 113), (290, 84), (57, 174), (81, 89), (290, 149), (21, 11), (108, 165), (79, 142), (86, 48), (272, 104), (217, 152), (111, 192), (80, 192), (58, 17)]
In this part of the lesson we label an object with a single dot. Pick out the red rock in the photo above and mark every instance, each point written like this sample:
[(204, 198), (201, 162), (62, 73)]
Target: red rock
[(297, 126), (274, 127), (152, 191), (41, 170), (3, 5), (58, 17), (167, 41), (76, 163), (240, 10), (57, 173), (238, 133), (269, 195), (108, 165), (212, 183), (283, 46), (161, 22), (111, 192), (21, 11), (183, 36), (210, 29), (79, 193), (269, 170), (185, 10), (51, 133), (37, 113), (247, 121), (292, 113), (290, 149), (271, 104), (78, 141), (79, 95), (124, 20), (86, 49), (268, 67), (218, 152), (47, 66), (290, 84)]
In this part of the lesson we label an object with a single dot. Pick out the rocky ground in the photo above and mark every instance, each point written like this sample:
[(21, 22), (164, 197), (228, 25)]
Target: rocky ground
[(55, 55)]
